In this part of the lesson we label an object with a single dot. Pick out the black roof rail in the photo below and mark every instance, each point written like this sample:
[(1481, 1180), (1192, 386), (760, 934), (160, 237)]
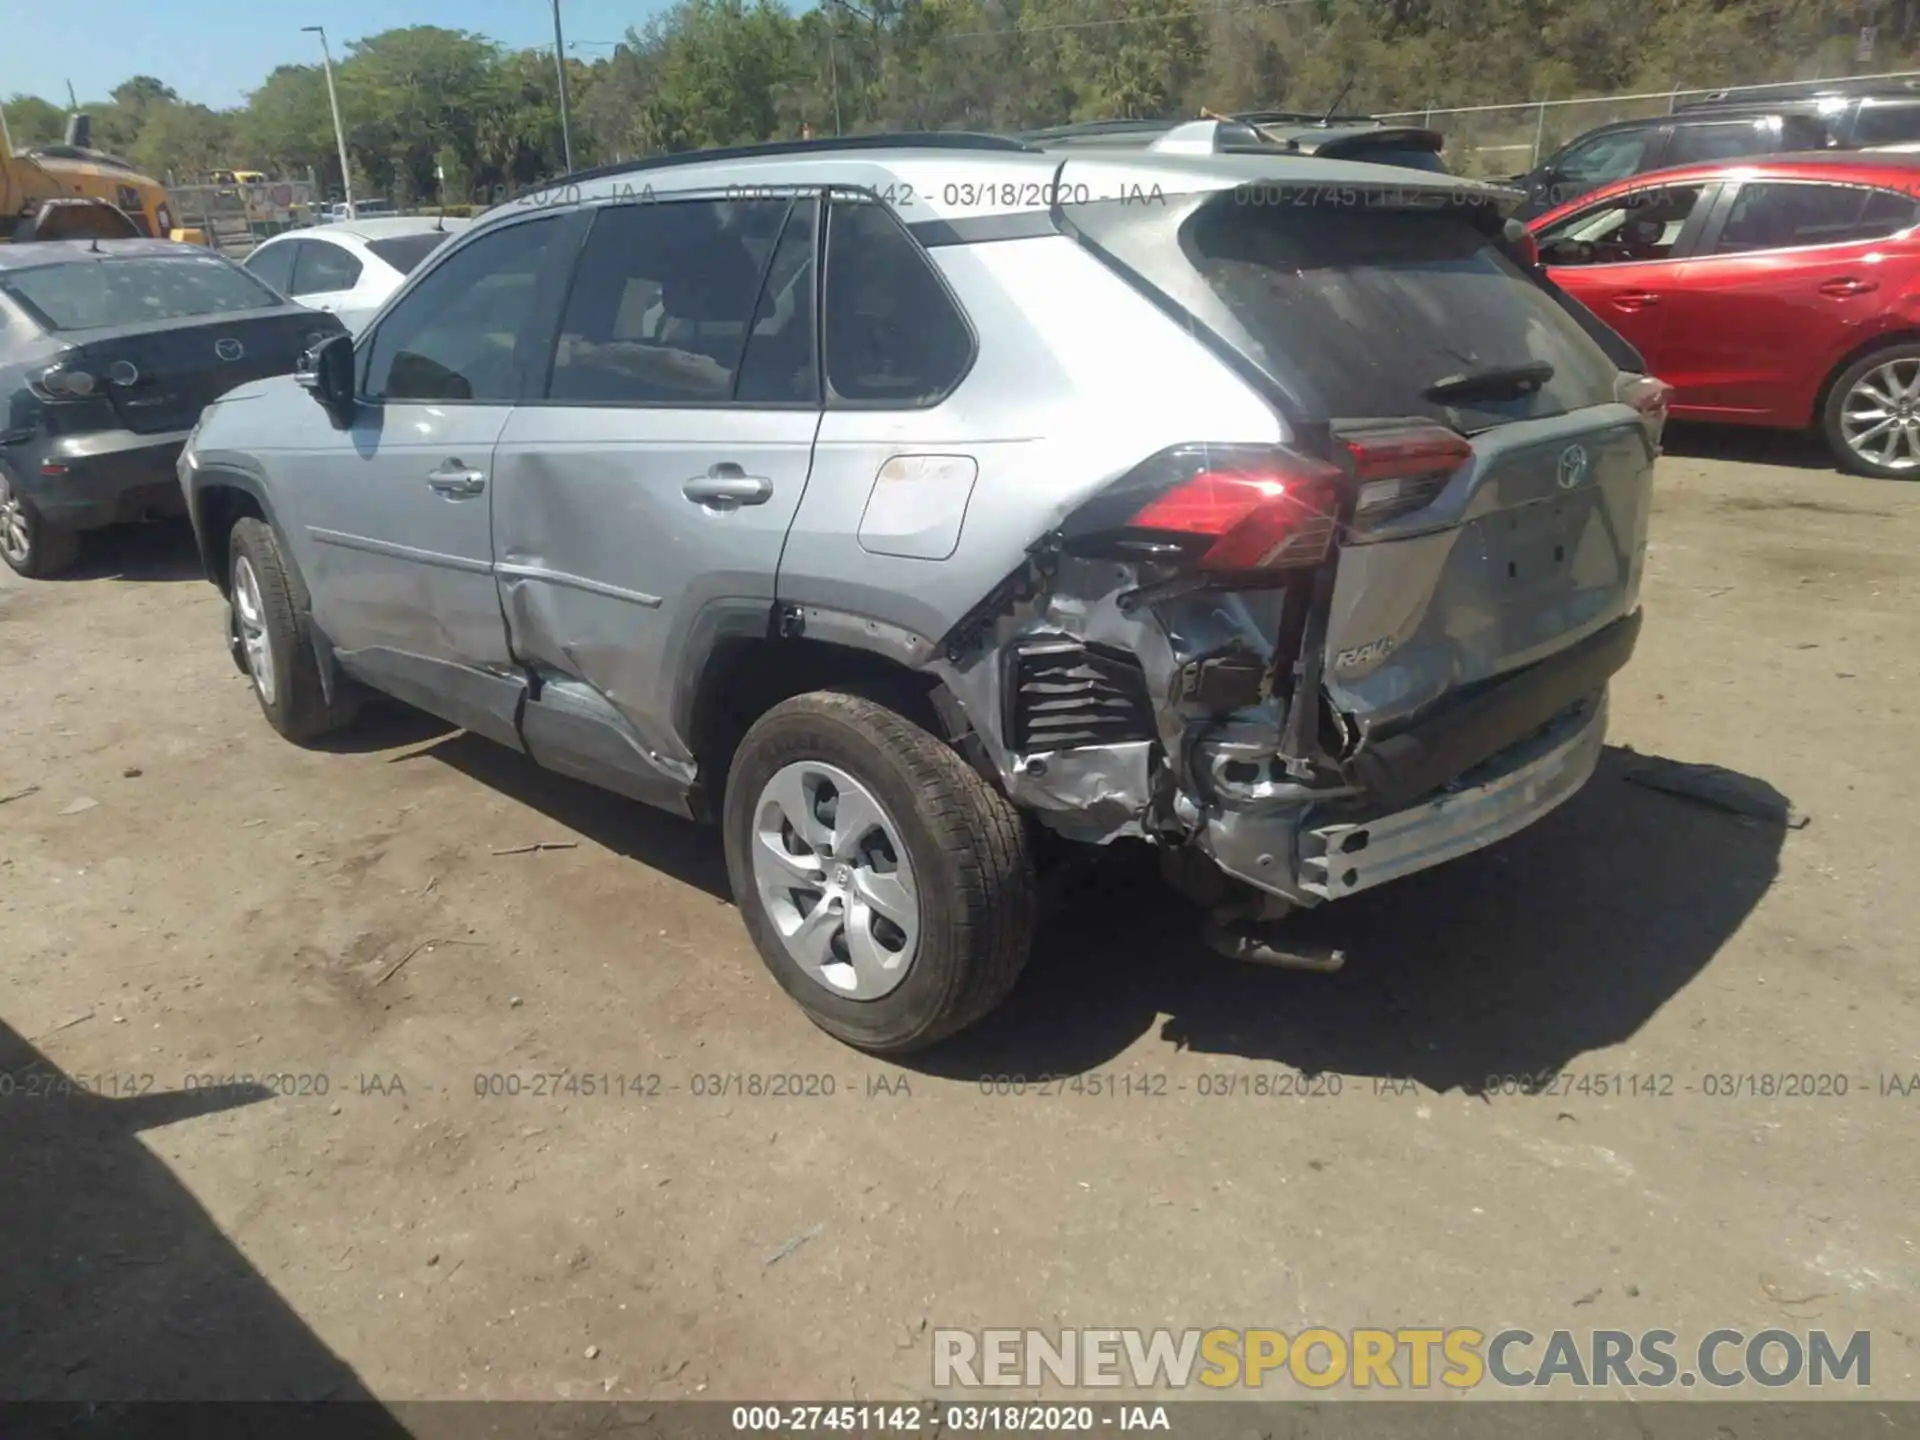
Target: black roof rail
[(906, 140), (1089, 128), (1301, 117)]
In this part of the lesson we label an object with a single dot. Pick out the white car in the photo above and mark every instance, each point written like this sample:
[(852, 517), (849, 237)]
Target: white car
[(350, 268)]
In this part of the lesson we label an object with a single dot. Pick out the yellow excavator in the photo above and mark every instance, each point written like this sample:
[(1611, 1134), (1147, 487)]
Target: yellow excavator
[(72, 191)]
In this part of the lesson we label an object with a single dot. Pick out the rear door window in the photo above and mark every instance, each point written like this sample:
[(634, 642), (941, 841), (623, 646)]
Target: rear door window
[(1782, 215), (662, 302), (274, 264), (1359, 311)]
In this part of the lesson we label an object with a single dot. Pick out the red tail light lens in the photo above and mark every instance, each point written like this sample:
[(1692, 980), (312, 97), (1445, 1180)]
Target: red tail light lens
[(1404, 451), (1402, 468), (1278, 515)]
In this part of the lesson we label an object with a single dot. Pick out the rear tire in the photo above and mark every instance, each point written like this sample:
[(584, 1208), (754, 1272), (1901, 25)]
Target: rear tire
[(1866, 395), (888, 811), (276, 643), (31, 547)]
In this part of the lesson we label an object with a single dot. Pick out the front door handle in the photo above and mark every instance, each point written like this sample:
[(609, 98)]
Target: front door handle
[(1846, 286), (1632, 301), (726, 485), (453, 478)]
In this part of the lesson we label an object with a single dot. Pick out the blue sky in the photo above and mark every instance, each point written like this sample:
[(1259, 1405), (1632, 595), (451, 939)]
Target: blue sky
[(215, 51)]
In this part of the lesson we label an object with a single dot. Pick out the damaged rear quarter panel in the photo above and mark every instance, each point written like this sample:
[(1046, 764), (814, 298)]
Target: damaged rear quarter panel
[(1058, 404)]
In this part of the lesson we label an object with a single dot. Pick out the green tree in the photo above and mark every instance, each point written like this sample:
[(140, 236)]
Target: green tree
[(33, 121)]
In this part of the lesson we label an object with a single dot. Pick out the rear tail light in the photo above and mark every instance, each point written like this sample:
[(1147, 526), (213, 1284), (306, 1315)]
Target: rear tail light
[(57, 382), (1402, 468), (1276, 511), (1645, 394), (1650, 397)]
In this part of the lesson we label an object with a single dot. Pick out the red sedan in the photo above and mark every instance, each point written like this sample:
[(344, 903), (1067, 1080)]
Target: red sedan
[(1782, 292)]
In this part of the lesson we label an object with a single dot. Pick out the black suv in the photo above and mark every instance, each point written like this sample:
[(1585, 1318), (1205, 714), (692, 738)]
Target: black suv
[(1722, 127)]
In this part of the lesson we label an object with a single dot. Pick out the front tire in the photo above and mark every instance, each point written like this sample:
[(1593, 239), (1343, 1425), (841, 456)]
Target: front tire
[(886, 885), (276, 646), (1872, 417), (31, 547)]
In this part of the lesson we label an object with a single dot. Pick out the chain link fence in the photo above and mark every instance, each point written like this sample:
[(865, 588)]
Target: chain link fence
[(1496, 141)]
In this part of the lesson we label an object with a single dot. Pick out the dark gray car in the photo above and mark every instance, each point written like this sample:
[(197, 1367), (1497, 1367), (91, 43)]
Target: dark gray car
[(108, 352)]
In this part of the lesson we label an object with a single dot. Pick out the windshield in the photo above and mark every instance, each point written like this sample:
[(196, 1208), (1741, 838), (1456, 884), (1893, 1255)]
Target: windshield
[(404, 252), (98, 294), (1357, 310)]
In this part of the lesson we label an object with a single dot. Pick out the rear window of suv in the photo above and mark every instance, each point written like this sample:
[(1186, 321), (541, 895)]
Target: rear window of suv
[(405, 252), (102, 294), (1355, 309)]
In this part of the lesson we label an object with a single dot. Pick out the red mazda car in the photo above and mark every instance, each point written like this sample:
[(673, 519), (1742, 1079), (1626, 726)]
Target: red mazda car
[(1782, 292)]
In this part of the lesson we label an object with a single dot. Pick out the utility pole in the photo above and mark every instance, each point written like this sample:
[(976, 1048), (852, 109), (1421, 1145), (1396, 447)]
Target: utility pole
[(833, 65), (560, 69), (333, 99)]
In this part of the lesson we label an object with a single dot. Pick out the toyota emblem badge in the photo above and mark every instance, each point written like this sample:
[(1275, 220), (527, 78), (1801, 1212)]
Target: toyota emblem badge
[(228, 348), (1573, 466)]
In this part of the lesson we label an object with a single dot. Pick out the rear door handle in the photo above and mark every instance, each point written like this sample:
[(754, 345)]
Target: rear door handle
[(1632, 300), (453, 478), (726, 485), (1847, 285)]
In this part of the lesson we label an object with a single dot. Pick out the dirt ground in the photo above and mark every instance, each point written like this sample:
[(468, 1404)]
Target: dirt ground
[(185, 899)]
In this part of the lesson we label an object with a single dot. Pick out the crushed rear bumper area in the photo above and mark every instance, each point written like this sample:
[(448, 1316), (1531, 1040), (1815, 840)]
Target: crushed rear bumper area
[(1488, 767), (1400, 769), (1506, 794)]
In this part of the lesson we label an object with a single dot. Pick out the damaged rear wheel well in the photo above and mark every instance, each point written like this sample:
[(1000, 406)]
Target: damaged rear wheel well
[(221, 507), (746, 677)]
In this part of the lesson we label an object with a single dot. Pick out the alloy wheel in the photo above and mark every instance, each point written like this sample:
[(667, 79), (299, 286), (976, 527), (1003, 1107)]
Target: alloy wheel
[(252, 616), (16, 537), (833, 874), (1880, 418)]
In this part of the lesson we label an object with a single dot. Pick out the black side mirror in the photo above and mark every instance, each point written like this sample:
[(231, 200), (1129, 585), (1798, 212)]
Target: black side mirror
[(326, 373)]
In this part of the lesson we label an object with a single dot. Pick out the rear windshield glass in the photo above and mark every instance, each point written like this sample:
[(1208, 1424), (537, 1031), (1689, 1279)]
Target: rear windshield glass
[(1406, 157), (403, 252), (1355, 309), (98, 294)]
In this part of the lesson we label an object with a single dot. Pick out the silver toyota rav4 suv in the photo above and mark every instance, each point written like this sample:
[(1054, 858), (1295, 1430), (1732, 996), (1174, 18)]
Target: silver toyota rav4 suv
[(917, 507)]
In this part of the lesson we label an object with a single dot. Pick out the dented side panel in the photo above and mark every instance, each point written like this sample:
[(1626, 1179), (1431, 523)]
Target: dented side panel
[(607, 567)]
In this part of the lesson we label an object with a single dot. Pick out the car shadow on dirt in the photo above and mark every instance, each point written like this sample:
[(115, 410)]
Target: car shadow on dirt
[(1515, 960), (164, 550), (1746, 445), (118, 1287), (687, 852)]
